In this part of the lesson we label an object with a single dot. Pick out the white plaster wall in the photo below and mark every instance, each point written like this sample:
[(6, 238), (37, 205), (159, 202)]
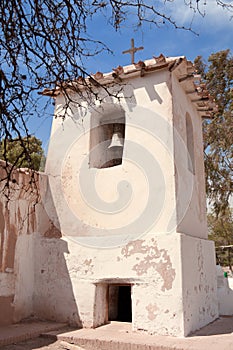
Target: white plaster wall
[(24, 281), (171, 293), (100, 314), (171, 274), (225, 293), (190, 188), (157, 307), (148, 112), (199, 283), (54, 297), (67, 278), (157, 313), (230, 281)]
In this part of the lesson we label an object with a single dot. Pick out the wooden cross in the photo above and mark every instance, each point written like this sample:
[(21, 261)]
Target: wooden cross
[(132, 50)]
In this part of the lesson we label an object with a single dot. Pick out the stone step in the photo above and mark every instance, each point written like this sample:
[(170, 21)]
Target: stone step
[(18, 332), (55, 334), (119, 336), (101, 344), (115, 336), (67, 346)]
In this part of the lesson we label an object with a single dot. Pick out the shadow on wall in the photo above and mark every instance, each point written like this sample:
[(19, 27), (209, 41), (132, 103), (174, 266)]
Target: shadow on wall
[(34, 278), (54, 297), (15, 225)]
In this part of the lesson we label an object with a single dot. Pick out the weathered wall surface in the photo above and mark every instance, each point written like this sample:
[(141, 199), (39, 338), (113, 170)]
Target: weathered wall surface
[(199, 283), (162, 291), (153, 270), (199, 286), (54, 297), (22, 219), (173, 283), (148, 173), (17, 224), (225, 292), (190, 187), (91, 228), (7, 292)]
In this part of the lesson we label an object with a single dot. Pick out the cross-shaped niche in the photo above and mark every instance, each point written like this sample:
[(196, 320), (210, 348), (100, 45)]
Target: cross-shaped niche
[(107, 137)]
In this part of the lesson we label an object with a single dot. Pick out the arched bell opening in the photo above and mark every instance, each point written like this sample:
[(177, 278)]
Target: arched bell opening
[(107, 137)]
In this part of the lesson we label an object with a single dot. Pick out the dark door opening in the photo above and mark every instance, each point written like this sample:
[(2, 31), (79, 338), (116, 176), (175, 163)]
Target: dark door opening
[(120, 304)]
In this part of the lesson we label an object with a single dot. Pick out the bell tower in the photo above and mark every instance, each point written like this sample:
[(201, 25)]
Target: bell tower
[(126, 176)]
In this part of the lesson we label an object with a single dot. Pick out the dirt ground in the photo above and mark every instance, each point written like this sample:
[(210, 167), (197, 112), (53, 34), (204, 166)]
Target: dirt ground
[(42, 344)]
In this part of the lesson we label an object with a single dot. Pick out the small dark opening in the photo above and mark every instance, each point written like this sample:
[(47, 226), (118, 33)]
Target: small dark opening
[(124, 304), (120, 304)]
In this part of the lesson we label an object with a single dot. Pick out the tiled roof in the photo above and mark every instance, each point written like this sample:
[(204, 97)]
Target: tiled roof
[(182, 68)]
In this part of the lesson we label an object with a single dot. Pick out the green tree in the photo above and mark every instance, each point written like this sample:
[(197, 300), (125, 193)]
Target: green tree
[(217, 74), (221, 232), (26, 152)]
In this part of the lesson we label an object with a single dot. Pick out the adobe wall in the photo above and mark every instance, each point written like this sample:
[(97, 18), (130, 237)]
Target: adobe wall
[(22, 219), (17, 225)]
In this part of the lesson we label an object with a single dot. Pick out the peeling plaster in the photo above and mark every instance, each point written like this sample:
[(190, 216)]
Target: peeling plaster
[(52, 232), (152, 311), (82, 267), (152, 257), (89, 266)]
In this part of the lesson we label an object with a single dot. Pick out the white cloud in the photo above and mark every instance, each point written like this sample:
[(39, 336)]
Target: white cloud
[(209, 14)]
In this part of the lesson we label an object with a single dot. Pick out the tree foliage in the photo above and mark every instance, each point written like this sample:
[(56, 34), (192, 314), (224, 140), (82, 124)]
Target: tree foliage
[(221, 232), (218, 131), (26, 152)]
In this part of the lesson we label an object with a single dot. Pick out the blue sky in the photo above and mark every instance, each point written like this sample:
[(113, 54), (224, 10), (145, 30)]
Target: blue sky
[(215, 33)]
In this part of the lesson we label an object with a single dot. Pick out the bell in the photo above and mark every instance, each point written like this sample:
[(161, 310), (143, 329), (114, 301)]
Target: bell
[(117, 140)]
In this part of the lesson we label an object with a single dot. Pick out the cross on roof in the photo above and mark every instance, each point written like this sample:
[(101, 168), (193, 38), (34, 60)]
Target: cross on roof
[(132, 50)]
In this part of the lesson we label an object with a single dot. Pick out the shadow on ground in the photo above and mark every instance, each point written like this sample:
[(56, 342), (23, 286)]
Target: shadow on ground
[(31, 344), (223, 325)]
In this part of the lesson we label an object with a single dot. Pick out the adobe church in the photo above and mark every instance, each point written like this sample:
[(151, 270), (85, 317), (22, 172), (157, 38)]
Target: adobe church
[(120, 233)]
